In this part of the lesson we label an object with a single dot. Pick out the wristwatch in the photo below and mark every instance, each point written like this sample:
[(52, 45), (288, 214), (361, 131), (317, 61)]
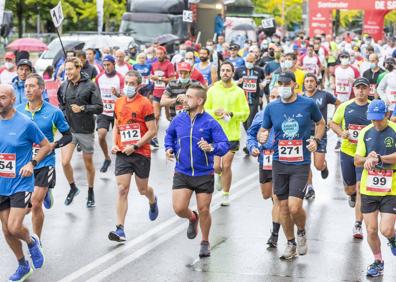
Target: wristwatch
[(82, 108), (379, 158), (317, 140), (34, 163), (135, 147)]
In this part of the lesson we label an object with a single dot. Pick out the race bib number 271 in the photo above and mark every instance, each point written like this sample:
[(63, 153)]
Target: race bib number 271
[(290, 150)]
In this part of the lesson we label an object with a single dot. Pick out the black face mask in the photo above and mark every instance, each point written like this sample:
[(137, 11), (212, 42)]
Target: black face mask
[(203, 59), (271, 53), (389, 68)]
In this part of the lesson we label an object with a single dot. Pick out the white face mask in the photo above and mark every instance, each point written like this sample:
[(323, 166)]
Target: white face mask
[(285, 92), (9, 65), (130, 91), (344, 61), (288, 64), (191, 62)]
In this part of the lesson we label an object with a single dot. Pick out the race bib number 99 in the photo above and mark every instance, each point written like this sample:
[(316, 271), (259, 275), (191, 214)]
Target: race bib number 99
[(130, 134), (290, 150), (379, 181), (8, 165)]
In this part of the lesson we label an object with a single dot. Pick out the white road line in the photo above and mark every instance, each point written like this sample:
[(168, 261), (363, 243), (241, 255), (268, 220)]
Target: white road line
[(129, 245), (150, 246)]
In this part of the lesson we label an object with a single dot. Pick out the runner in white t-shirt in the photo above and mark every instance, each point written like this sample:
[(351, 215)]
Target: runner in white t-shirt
[(345, 74), (121, 66), (310, 62), (8, 71)]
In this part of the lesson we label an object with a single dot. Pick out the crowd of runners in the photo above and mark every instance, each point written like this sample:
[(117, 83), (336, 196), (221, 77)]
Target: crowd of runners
[(275, 91)]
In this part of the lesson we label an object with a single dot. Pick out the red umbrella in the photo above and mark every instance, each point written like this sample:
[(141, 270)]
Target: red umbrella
[(27, 44)]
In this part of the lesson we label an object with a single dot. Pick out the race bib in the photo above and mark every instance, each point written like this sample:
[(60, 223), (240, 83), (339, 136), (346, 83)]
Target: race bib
[(393, 95), (35, 149), (379, 181), (145, 80), (159, 84), (267, 159), (130, 134), (311, 68), (179, 108), (372, 90), (249, 84), (7, 165), (343, 90), (290, 150), (108, 107), (354, 130)]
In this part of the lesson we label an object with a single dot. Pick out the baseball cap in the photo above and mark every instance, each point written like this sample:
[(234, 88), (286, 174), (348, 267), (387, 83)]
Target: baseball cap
[(183, 66), (109, 58), (234, 47), (390, 61), (162, 48), (286, 76), (376, 110), (25, 62), (9, 55), (344, 54), (361, 81)]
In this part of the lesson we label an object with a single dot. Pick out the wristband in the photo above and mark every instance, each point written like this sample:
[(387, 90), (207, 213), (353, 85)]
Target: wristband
[(135, 147), (34, 163)]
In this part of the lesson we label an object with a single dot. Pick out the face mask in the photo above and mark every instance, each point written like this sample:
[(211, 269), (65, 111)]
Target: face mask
[(271, 53), (282, 65), (184, 80), (373, 65), (182, 52), (389, 68), (210, 48), (191, 62), (9, 65), (203, 59), (288, 64), (274, 99), (249, 65), (130, 91), (344, 61), (285, 92)]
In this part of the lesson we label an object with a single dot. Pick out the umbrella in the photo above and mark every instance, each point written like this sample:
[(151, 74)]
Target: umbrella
[(99, 42), (27, 44), (244, 27), (166, 38)]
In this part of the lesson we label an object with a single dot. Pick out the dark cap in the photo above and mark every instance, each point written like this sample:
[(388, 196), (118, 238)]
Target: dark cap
[(25, 62), (286, 77), (390, 61), (234, 47), (109, 58), (361, 81), (344, 54)]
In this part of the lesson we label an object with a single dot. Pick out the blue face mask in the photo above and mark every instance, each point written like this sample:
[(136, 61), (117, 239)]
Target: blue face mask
[(184, 80), (130, 91), (249, 65)]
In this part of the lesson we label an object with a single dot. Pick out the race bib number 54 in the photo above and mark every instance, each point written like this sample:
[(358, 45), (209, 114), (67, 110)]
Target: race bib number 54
[(290, 150), (7, 165)]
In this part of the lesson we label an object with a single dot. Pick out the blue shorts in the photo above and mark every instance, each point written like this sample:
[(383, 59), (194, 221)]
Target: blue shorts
[(350, 173), (322, 147)]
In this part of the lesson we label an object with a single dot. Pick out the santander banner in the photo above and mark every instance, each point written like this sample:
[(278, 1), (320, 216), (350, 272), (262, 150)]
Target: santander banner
[(374, 12)]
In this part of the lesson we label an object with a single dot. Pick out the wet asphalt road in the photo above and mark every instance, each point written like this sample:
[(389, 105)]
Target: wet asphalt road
[(77, 249)]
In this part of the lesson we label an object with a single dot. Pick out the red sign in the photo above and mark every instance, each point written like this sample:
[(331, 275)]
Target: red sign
[(320, 22), (52, 87), (374, 23)]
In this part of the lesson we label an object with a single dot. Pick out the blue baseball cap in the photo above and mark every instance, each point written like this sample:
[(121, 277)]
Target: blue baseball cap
[(376, 110), (109, 58)]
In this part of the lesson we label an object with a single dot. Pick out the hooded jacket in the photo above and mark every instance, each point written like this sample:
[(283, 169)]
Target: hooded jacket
[(83, 93), (231, 100)]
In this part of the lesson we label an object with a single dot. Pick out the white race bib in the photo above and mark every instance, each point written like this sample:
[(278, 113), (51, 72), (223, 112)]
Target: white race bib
[(290, 150), (130, 134), (354, 130), (267, 159), (108, 107), (379, 181), (35, 149), (249, 84), (179, 108), (7, 165)]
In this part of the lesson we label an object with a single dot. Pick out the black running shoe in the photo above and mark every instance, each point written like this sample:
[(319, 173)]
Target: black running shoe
[(154, 143), (79, 148), (91, 199), (324, 173), (338, 146), (246, 151), (272, 241), (71, 195), (105, 166), (192, 230)]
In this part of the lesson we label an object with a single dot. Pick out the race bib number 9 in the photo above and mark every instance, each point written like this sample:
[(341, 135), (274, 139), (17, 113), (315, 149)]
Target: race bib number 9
[(379, 181), (290, 150), (130, 134), (267, 159), (7, 165), (354, 130)]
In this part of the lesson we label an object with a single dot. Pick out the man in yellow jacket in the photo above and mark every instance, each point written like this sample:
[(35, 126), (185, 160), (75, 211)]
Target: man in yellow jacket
[(227, 103)]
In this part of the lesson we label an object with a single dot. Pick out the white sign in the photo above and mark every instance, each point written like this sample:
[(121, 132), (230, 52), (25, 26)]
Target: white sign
[(267, 23), (99, 9), (57, 15), (2, 4), (187, 16)]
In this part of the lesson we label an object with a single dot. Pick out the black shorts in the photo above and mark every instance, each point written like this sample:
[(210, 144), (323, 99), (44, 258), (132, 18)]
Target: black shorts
[(384, 204), (104, 121), (19, 200), (45, 177), (156, 99), (135, 163), (265, 175), (234, 146), (289, 180), (199, 184)]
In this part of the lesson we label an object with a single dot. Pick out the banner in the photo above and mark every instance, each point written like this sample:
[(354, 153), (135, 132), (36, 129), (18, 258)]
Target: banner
[(320, 22), (353, 4), (374, 23), (99, 9)]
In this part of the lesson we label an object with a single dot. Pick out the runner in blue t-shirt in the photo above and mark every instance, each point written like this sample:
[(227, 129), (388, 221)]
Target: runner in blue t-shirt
[(145, 70), (49, 119), (291, 119), (18, 134)]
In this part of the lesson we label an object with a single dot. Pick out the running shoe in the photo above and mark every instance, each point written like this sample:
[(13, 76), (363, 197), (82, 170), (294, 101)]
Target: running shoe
[(338, 146), (79, 148), (352, 200), (324, 173), (205, 249), (218, 182), (310, 195), (91, 199), (153, 212), (36, 253), (71, 195), (118, 235), (225, 202), (23, 272), (192, 229), (392, 245), (154, 142), (246, 151), (49, 199), (272, 241), (375, 269), (302, 247), (105, 166), (357, 231), (290, 251)]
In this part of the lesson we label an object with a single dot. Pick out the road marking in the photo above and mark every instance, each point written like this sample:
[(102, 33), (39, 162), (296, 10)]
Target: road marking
[(133, 243), (150, 246)]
